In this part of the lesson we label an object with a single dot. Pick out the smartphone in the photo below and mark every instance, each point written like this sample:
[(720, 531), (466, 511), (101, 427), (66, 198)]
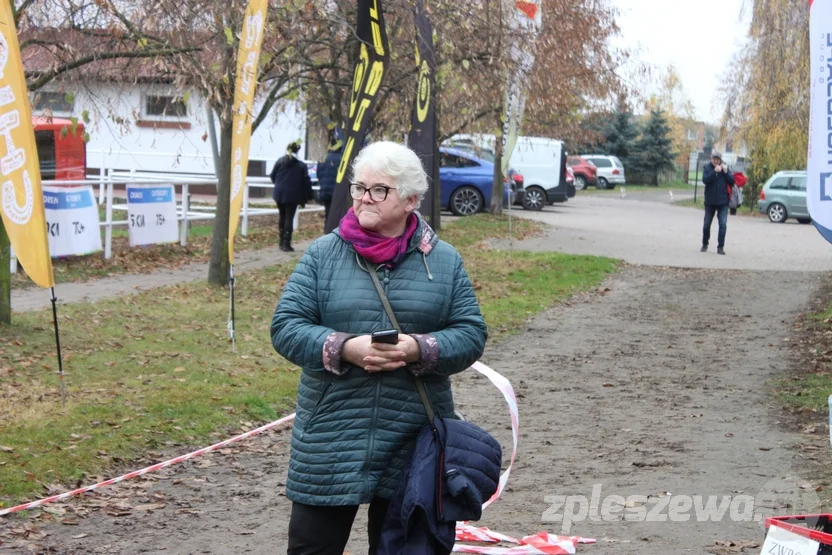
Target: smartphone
[(391, 337)]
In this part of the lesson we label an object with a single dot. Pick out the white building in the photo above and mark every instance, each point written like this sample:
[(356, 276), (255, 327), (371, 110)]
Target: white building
[(156, 128)]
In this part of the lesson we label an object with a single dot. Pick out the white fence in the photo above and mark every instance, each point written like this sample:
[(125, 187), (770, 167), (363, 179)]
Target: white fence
[(185, 212)]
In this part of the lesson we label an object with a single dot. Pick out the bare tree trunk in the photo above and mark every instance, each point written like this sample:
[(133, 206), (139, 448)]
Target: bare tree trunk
[(218, 268), (497, 185), (5, 277)]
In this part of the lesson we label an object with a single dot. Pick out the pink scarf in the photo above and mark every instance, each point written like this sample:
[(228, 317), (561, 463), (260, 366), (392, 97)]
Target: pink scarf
[(376, 248)]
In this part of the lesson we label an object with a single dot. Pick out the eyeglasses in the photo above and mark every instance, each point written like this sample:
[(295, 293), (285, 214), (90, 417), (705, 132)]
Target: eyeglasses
[(378, 193)]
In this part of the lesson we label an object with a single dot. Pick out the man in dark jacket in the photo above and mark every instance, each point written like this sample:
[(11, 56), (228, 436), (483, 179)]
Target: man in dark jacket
[(292, 188), (718, 182), (328, 173)]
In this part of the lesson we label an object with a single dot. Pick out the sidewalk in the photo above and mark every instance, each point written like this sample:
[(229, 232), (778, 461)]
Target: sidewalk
[(24, 300)]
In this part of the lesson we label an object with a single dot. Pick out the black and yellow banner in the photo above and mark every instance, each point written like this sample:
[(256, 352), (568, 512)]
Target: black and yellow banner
[(370, 65), (422, 137)]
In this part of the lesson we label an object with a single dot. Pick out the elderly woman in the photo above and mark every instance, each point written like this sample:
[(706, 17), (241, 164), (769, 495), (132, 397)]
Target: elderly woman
[(358, 412)]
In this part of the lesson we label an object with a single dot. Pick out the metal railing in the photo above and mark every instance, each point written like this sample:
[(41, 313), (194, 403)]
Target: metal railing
[(185, 211)]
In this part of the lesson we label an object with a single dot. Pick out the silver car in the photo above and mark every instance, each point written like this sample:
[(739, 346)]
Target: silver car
[(610, 170), (784, 196)]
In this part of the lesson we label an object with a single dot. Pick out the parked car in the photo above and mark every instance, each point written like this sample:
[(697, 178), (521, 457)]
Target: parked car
[(514, 178), (465, 181), (540, 160), (585, 172), (609, 169), (784, 196)]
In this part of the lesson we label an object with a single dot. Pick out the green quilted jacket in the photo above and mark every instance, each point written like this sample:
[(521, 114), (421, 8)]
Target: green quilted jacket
[(354, 430)]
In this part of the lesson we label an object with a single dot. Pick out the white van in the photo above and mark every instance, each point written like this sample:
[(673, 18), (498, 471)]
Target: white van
[(541, 162)]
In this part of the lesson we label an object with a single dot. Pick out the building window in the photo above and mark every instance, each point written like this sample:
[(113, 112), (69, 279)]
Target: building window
[(693, 135), (53, 102), (158, 106)]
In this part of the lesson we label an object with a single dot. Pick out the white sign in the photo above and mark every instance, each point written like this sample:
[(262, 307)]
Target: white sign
[(819, 184), (71, 221), (151, 215), (782, 542)]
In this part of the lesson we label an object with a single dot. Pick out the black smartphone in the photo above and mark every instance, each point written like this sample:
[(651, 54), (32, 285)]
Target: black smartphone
[(391, 337)]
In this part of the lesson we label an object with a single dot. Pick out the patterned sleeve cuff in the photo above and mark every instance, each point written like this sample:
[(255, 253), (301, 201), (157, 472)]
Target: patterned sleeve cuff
[(429, 359), (333, 345)]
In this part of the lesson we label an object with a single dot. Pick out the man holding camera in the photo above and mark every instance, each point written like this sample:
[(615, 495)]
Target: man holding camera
[(718, 182)]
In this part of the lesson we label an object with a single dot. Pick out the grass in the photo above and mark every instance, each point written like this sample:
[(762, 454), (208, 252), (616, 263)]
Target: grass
[(809, 389), (153, 373), (673, 186), (805, 392)]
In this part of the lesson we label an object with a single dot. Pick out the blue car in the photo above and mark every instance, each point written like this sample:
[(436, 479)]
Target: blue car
[(465, 181)]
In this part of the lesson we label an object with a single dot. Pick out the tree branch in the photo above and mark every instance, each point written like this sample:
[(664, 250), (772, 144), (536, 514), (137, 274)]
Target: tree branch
[(18, 12), (277, 93), (45, 78), (476, 117), (110, 6)]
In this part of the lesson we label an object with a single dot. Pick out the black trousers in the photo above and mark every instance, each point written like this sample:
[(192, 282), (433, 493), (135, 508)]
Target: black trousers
[(721, 213), (326, 530), (287, 215)]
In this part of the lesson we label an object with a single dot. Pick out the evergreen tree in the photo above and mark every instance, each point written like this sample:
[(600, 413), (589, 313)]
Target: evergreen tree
[(621, 135), (655, 147), (590, 136)]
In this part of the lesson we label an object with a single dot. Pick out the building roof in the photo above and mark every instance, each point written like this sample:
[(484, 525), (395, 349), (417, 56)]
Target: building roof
[(45, 49)]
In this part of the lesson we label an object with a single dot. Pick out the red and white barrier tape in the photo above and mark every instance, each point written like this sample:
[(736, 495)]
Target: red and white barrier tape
[(143, 471), (540, 543), (508, 392), (502, 384)]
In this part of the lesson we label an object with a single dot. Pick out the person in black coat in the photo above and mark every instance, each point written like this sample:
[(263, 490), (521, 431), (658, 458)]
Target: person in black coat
[(718, 181), (292, 188), (328, 173)]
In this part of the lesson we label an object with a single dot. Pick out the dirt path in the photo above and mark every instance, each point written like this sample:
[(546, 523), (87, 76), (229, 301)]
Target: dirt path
[(128, 284), (658, 385)]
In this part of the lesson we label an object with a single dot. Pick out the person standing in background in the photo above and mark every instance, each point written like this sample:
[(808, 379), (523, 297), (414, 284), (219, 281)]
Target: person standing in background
[(718, 182), (736, 192), (328, 171), (292, 188)]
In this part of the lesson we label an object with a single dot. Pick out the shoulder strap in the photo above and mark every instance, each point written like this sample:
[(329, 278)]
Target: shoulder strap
[(420, 386)]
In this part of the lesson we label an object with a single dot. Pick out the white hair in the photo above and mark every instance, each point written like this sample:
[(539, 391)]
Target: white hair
[(397, 162)]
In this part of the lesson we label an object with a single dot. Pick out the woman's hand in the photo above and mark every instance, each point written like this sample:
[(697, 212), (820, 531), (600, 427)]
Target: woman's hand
[(380, 357)]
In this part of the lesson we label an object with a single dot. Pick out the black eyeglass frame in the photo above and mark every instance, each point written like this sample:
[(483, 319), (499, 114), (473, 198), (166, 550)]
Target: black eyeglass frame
[(354, 187)]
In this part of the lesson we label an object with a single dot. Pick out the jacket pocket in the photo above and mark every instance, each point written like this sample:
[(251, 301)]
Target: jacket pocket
[(310, 422)]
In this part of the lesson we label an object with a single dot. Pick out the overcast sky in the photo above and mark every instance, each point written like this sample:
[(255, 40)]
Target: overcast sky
[(698, 37)]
